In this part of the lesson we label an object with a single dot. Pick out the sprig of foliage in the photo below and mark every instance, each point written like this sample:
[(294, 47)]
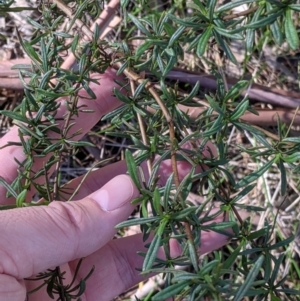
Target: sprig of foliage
[(164, 38)]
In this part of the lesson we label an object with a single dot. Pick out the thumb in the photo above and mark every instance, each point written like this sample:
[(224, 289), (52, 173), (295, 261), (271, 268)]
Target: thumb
[(38, 238)]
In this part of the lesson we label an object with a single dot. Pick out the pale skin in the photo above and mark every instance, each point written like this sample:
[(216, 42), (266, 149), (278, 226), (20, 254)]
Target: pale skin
[(35, 239)]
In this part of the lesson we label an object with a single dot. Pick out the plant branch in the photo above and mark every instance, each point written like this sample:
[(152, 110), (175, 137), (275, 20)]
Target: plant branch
[(142, 128)]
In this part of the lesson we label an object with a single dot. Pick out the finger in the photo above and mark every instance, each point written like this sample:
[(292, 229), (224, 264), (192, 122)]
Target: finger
[(93, 180), (37, 238), (117, 264), (99, 177), (116, 268), (12, 289), (104, 103)]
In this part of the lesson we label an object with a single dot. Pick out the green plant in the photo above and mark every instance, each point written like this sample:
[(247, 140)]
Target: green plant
[(149, 112)]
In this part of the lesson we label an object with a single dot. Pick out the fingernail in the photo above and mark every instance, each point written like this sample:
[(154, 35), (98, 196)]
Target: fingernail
[(117, 192)]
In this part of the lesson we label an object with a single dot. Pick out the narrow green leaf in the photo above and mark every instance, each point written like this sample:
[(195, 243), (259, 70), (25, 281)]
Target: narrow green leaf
[(142, 49), (183, 276), (242, 291), (244, 126), (223, 44), (267, 265), (282, 177), (243, 193), (156, 202), (250, 33), (291, 139), (219, 226), (185, 186), (121, 96), (171, 64), (236, 90), (294, 157), (137, 221), (265, 21), (170, 51), (139, 25), (82, 287), (240, 110), (123, 67), (228, 33), (124, 3), (51, 148), (50, 287), (80, 143), (180, 216), (57, 21), (21, 67), (76, 15), (211, 9), (152, 251), (258, 233), (75, 44), (196, 4), (202, 43), (96, 36), (208, 267), (169, 291), (63, 35), (276, 268), (282, 243), (193, 93), (275, 28), (217, 125), (8, 187), (132, 168), (50, 93), (138, 144), (275, 298), (288, 291), (214, 104), (290, 31), (44, 83), (8, 207), (295, 7), (167, 190), (35, 24), (18, 9), (194, 42), (31, 52), (21, 198), (176, 36), (193, 256), (140, 89), (82, 63), (15, 116), (250, 207), (254, 175), (163, 24), (232, 258), (87, 88)]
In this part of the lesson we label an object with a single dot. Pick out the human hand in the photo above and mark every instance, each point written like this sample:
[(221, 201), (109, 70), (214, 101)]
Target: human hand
[(35, 239)]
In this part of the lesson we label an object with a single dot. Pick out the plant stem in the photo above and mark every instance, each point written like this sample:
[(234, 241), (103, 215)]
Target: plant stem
[(142, 128)]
